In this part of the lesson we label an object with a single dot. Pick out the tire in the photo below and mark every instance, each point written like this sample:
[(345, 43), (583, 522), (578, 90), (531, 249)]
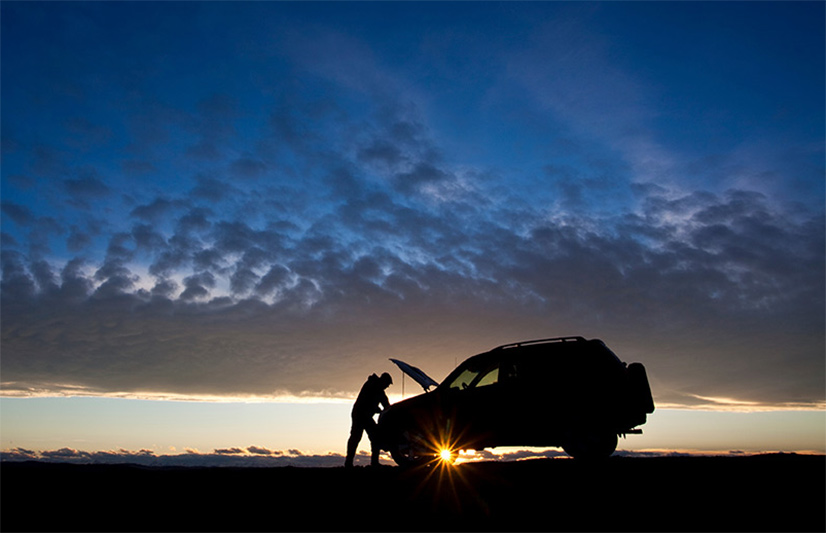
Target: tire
[(404, 453), (589, 445)]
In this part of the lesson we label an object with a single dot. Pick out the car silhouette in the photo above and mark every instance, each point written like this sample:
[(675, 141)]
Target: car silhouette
[(566, 391)]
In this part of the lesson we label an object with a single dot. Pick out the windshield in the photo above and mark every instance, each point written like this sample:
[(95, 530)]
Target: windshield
[(472, 376)]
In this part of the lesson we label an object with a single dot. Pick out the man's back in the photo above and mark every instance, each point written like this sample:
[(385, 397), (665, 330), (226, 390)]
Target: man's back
[(370, 397)]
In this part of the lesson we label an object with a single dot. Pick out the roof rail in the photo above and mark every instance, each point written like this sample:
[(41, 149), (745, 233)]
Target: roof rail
[(540, 341)]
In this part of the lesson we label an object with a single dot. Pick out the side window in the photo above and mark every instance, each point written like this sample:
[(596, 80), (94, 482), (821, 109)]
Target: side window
[(465, 379), (491, 377)]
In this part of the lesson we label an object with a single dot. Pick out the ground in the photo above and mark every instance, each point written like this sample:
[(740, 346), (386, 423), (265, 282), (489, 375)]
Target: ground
[(779, 492)]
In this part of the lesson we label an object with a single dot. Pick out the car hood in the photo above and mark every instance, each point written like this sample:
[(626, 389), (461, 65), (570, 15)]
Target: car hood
[(418, 376)]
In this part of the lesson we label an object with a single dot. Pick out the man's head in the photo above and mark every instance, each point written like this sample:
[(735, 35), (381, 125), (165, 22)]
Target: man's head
[(386, 380)]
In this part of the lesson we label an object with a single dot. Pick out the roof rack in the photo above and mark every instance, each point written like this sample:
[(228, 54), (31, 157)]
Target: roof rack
[(540, 341)]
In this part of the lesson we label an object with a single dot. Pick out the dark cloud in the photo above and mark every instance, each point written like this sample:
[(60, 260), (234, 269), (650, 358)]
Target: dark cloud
[(75, 287), (17, 283), (248, 167), (146, 238), (197, 286), (254, 456), (420, 176), (699, 288), (281, 232), (156, 210), (39, 229), (178, 255), (196, 220), (88, 186), (275, 278), (213, 190), (229, 451), (381, 152), (137, 167), (7, 241), (78, 239), (258, 450), (19, 214), (166, 288)]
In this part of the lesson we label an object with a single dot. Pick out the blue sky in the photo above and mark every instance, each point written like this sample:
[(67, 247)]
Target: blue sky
[(219, 200)]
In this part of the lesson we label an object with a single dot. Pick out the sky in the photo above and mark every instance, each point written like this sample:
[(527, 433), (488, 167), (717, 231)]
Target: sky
[(218, 218)]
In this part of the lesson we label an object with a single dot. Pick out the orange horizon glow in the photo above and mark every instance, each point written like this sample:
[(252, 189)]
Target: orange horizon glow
[(321, 428), (709, 403)]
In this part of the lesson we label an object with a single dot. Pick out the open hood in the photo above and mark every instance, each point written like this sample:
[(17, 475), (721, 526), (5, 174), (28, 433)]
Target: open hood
[(418, 376)]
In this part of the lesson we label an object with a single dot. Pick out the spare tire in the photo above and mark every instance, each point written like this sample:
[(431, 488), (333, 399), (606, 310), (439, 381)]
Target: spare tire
[(640, 389)]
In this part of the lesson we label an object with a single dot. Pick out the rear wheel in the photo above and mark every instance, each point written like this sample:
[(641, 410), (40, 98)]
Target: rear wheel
[(590, 444)]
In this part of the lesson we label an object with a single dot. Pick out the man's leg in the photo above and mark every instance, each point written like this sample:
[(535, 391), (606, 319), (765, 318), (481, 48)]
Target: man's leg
[(356, 431), (370, 428)]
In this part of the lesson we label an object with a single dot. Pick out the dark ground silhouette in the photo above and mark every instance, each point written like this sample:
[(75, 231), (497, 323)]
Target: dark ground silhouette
[(782, 492)]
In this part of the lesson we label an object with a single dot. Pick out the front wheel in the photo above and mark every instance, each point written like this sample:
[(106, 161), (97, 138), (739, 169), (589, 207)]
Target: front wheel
[(408, 450), (590, 444)]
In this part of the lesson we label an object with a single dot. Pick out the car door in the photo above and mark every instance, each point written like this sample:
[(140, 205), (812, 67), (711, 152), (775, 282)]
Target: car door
[(479, 398)]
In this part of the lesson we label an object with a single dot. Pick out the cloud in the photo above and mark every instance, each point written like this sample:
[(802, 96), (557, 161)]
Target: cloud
[(230, 451), (246, 458), (257, 318), (282, 235), (86, 186), (156, 210), (251, 456), (18, 213), (257, 450)]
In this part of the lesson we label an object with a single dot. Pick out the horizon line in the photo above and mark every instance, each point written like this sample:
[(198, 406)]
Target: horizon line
[(258, 454)]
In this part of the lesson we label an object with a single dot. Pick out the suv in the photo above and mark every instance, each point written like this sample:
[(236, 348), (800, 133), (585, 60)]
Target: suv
[(567, 391)]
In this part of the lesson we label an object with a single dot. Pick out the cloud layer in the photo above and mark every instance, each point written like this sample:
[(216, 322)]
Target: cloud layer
[(282, 222), (254, 456)]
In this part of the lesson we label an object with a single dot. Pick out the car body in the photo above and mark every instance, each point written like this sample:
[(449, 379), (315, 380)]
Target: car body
[(566, 391)]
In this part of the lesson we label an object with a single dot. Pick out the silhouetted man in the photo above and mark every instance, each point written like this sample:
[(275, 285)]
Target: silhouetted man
[(367, 404)]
